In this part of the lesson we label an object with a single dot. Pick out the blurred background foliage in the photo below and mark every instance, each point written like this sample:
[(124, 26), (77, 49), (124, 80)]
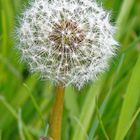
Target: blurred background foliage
[(107, 109)]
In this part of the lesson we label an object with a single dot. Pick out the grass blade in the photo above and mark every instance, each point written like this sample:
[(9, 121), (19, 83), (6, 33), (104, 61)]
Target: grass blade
[(36, 105), (132, 121), (101, 122), (123, 16), (88, 110), (20, 126), (130, 102), (14, 113)]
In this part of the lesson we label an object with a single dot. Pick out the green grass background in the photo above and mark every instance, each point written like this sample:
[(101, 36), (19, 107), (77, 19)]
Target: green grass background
[(107, 109)]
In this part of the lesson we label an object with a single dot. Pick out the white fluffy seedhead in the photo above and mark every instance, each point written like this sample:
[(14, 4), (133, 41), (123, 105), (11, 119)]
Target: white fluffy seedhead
[(66, 41)]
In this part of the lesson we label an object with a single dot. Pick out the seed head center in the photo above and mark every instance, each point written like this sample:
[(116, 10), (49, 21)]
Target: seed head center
[(66, 34)]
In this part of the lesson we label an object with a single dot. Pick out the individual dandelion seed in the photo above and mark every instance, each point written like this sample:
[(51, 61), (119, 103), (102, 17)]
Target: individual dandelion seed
[(66, 41)]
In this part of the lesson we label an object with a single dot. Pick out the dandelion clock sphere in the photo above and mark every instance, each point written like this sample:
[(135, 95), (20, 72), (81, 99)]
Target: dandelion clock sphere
[(66, 41)]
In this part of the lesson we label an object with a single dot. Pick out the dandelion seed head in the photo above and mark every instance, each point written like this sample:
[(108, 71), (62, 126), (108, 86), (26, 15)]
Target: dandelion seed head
[(66, 41)]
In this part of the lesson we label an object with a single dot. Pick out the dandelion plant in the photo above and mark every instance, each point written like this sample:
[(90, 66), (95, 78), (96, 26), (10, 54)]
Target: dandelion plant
[(67, 42)]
